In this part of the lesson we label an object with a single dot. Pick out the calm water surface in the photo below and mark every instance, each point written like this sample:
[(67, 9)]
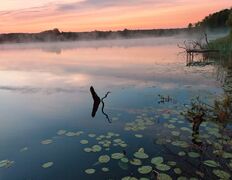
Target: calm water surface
[(46, 105)]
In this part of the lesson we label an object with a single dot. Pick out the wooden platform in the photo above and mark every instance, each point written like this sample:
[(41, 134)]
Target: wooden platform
[(202, 51), (191, 53)]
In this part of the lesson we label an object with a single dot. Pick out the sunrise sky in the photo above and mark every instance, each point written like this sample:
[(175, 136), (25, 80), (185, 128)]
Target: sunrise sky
[(88, 15)]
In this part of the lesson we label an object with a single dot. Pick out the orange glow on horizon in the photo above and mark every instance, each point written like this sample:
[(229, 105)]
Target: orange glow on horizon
[(139, 16)]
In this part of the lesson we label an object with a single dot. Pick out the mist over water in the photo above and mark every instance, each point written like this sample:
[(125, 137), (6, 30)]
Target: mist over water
[(44, 88)]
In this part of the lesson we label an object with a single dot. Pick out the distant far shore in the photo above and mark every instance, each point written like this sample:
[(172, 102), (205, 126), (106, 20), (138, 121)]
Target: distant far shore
[(56, 35)]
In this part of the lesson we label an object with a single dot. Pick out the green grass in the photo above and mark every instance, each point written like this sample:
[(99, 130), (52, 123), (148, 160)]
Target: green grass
[(224, 45)]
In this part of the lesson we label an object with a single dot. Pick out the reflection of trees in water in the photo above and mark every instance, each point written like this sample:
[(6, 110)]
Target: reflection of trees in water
[(220, 111)]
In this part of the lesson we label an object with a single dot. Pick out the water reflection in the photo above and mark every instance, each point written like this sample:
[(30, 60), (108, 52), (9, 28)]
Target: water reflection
[(96, 103), (136, 74)]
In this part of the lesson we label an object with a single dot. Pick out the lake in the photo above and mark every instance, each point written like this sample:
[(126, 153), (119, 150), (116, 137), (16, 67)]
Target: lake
[(46, 126)]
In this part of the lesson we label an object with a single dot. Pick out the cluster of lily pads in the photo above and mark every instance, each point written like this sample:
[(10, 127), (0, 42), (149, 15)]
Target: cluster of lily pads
[(105, 141), (174, 133), (140, 123), (156, 167)]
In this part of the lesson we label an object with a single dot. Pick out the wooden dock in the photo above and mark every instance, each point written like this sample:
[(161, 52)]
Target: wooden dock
[(191, 53)]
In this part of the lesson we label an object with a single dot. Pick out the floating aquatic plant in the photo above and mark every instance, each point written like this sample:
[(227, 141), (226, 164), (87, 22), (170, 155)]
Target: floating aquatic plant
[(193, 154), (163, 167), (136, 162), (47, 165), (24, 149), (117, 156), (211, 163), (61, 132), (175, 133), (129, 178), (6, 163), (138, 135), (157, 160), (171, 163), (96, 148), (90, 171), (84, 141), (222, 174), (140, 154), (177, 171), (88, 150), (163, 176), (70, 134), (104, 159), (144, 169), (181, 153), (92, 135), (141, 123), (47, 141), (125, 160), (105, 169)]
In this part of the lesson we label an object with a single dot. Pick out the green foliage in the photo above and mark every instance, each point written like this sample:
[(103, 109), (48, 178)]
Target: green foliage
[(190, 25), (229, 21), (224, 45), (220, 111), (215, 20)]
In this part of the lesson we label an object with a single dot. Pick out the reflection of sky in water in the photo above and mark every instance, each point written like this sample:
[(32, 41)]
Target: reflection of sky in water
[(42, 92)]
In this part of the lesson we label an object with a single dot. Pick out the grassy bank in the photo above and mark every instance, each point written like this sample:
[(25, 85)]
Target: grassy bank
[(224, 45)]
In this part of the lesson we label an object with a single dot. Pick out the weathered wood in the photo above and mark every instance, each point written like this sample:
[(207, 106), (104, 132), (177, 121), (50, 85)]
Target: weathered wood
[(201, 50)]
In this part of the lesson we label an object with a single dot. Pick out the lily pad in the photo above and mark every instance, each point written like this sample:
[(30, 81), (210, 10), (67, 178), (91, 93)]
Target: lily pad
[(211, 163), (47, 165), (123, 166), (6, 163), (171, 126), (129, 178), (92, 135), (24, 149), (90, 171), (125, 160), (193, 154), (105, 169), (104, 159), (175, 133), (163, 167), (87, 150), (227, 155), (138, 135), (47, 141), (181, 153), (171, 163), (61, 132), (84, 141), (136, 162), (157, 160), (145, 169), (163, 176), (123, 145), (117, 156), (96, 148), (177, 171), (70, 134), (221, 174), (141, 155)]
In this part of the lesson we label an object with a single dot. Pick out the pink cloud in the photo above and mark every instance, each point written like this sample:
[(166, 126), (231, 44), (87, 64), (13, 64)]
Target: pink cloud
[(105, 15)]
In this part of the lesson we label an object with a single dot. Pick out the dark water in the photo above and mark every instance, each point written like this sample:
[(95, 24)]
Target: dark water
[(44, 88)]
